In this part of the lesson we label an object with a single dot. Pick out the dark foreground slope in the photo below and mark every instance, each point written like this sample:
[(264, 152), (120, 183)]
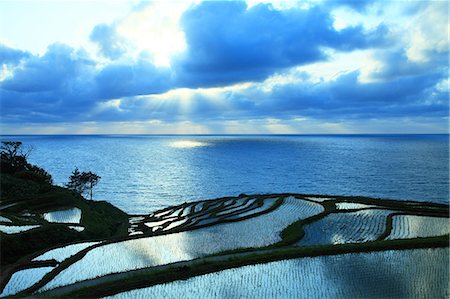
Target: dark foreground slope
[(27, 193)]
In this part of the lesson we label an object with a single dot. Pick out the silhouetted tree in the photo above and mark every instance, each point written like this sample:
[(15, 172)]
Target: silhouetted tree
[(82, 182), (75, 182), (14, 154), (14, 157)]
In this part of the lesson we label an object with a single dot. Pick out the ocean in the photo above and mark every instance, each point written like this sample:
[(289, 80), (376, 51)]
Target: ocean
[(142, 173)]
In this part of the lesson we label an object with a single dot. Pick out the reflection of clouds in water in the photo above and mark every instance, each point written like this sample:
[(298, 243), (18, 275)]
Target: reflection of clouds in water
[(406, 273), (412, 226), (24, 279), (152, 251), (338, 239), (374, 274), (352, 205), (419, 273), (340, 228), (149, 251), (11, 229), (187, 144), (72, 215), (124, 256)]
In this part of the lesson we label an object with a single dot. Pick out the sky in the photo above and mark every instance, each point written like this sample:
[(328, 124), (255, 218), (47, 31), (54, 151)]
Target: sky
[(224, 67)]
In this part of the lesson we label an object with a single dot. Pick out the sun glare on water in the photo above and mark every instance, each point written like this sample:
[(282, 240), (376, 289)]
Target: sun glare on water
[(187, 144)]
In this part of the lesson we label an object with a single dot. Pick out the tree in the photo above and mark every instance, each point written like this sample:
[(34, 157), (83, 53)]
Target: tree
[(15, 154), (82, 182), (75, 182)]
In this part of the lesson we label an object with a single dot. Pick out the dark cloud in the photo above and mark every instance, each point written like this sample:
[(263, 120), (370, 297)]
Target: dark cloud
[(65, 84), (59, 67), (132, 78), (48, 87), (395, 63), (110, 44), (347, 97), (11, 56), (344, 98), (228, 43)]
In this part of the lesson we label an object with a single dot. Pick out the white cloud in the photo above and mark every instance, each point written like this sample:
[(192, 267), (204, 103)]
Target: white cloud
[(428, 32), (346, 17), (156, 29)]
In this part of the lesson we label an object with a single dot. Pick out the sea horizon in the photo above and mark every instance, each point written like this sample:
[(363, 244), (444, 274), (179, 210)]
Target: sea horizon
[(255, 134)]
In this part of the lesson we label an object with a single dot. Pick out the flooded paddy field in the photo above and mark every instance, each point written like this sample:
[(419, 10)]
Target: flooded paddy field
[(239, 227), (386, 274), (412, 226), (158, 250), (352, 227), (14, 229), (72, 215)]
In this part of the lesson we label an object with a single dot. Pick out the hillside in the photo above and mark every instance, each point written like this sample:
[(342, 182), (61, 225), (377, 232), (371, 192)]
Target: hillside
[(37, 215)]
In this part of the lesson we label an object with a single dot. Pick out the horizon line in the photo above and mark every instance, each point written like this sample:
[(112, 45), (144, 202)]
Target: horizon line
[(212, 134)]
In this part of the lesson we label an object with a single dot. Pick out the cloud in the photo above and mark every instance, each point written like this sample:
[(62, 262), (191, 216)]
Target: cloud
[(241, 63), (420, 47), (66, 84), (358, 5), (121, 79), (111, 45), (228, 42), (348, 98), (391, 64), (49, 72), (48, 87), (427, 34), (11, 56), (342, 99)]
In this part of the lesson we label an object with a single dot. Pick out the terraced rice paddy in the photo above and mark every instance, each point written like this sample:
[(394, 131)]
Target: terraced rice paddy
[(4, 219), (199, 229), (15, 229), (319, 199), (152, 251), (340, 228), (62, 253), (24, 279), (401, 274), (77, 228), (198, 214), (352, 205), (412, 226), (72, 215)]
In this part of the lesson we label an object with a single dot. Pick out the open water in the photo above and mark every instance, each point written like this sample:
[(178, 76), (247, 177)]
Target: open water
[(141, 173)]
